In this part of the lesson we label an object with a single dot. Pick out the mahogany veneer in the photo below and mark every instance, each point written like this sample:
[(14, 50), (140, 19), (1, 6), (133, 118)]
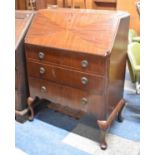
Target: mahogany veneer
[(76, 58)]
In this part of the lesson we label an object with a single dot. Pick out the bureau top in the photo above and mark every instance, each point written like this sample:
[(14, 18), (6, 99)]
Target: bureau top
[(77, 30), (22, 21)]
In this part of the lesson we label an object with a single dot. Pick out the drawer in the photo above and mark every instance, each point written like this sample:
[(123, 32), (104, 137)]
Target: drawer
[(67, 96), (64, 95), (79, 61), (89, 82)]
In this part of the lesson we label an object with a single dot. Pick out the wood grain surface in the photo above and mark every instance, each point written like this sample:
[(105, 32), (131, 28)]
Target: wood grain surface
[(87, 31)]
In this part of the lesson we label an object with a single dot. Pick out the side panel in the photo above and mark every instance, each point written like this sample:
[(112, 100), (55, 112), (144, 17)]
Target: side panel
[(117, 65)]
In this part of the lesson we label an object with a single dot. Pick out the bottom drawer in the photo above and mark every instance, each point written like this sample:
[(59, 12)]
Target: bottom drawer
[(67, 96)]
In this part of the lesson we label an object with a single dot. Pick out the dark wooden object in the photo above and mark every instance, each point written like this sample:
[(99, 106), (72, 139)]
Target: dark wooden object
[(20, 5), (104, 4), (76, 58), (23, 20), (65, 3), (89, 4), (43, 4)]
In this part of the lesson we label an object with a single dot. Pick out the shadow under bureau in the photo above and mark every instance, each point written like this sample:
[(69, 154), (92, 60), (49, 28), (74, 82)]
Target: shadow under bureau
[(76, 59)]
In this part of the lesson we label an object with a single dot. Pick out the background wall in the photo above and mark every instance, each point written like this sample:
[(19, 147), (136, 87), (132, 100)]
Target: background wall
[(130, 6)]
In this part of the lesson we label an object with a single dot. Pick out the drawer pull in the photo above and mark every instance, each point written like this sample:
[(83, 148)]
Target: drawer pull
[(84, 80), (84, 63), (41, 55), (43, 89), (84, 101), (42, 70)]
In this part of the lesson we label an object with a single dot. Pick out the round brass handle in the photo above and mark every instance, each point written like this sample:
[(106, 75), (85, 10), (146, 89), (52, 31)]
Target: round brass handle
[(42, 70), (84, 63), (84, 80), (41, 55), (84, 101), (43, 89)]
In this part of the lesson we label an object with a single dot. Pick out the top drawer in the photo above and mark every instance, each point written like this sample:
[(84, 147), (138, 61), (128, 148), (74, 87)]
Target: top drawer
[(75, 60)]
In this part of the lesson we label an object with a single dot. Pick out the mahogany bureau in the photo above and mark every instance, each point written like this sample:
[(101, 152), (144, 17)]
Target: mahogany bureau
[(22, 19), (76, 58)]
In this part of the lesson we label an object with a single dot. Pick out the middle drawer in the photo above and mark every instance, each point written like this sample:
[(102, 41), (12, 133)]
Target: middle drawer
[(81, 80)]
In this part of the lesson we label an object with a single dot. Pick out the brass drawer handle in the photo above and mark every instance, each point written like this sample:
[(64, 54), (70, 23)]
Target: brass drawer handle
[(43, 89), (41, 55), (84, 63), (84, 101), (42, 70), (84, 80)]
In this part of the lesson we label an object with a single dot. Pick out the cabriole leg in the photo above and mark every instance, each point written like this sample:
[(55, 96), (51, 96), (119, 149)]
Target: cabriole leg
[(119, 116), (103, 143), (104, 125), (30, 101), (103, 130)]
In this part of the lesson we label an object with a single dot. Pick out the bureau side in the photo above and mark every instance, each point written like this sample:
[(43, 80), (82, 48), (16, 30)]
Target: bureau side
[(117, 64)]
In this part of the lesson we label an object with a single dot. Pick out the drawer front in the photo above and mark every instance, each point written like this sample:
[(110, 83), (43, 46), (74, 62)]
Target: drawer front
[(89, 82), (68, 96), (82, 62), (64, 95)]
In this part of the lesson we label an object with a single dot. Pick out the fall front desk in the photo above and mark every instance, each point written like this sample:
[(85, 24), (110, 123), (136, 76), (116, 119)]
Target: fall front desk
[(75, 60)]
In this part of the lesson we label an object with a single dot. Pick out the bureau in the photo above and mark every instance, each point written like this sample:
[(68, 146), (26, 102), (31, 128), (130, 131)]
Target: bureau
[(22, 19), (76, 59)]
